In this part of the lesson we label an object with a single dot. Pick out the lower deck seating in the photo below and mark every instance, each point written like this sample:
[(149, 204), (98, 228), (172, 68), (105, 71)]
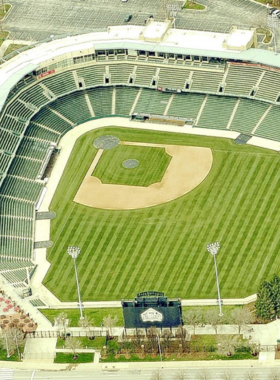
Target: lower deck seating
[(186, 105), (248, 115), (125, 97), (101, 100), (152, 102), (217, 112)]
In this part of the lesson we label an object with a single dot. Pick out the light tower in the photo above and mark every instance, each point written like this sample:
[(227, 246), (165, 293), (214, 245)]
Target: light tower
[(213, 248), (74, 253)]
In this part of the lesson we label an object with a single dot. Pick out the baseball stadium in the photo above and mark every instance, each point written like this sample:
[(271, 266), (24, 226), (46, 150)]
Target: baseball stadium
[(140, 145)]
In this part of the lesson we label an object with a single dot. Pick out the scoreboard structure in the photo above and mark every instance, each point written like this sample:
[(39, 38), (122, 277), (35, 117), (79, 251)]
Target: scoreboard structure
[(152, 309)]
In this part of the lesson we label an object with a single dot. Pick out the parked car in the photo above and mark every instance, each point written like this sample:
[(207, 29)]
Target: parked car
[(271, 10), (275, 13), (128, 18), (125, 1)]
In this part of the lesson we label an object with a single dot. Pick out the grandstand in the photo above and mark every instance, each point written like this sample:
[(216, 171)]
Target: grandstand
[(67, 82)]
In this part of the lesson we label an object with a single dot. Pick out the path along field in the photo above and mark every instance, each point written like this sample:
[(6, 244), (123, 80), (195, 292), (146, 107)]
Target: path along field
[(163, 248)]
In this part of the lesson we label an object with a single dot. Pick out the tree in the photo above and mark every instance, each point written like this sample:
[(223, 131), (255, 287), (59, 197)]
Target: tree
[(73, 344), (183, 336), (227, 344), (227, 376), (181, 375), (274, 375), (268, 298), (87, 323), (251, 376), (167, 336), (109, 322), (12, 339), (157, 375), (193, 317), (63, 321), (213, 318), (153, 339), (204, 375), (241, 317)]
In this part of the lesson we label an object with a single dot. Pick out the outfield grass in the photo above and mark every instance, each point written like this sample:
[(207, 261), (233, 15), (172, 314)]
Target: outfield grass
[(153, 163), (164, 247)]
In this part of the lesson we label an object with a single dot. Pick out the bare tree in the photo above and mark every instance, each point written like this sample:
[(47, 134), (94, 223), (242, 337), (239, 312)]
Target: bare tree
[(227, 344), (241, 317), (167, 336), (87, 323), (73, 344), (183, 336), (109, 322), (63, 321), (12, 339), (251, 376), (157, 375), (274, 375), (204, 375), (193, 317), (227, 376), (153, 339), (181, 375), (213, 318)]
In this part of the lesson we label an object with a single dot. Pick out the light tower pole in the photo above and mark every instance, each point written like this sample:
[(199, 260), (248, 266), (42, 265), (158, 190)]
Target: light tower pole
[(213, 248), (74, 253)]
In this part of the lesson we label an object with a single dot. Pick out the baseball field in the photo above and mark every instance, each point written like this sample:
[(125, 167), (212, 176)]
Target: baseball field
[(163, 247)]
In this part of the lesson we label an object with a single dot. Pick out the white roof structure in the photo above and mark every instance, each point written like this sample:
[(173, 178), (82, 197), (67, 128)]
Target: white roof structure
[(154, 36)]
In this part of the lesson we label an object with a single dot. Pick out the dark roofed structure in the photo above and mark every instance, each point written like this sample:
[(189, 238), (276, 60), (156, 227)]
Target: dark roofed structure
[(152, 309)]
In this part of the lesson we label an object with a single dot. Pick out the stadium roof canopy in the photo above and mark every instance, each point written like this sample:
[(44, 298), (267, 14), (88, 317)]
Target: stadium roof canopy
[(153, 37)]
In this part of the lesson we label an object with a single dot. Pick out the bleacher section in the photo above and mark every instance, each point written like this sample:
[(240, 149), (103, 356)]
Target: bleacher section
[(101, 100), (125, 97), (173, 78), (186, 105), (144, 75), (73, 107), (152, 102), (269, 87), (206, 81), (247, 115), (270, 127), (23, 189), (61, 84), (120, 73), (242, 79), (92, 75), (39, 112), (219, 106)]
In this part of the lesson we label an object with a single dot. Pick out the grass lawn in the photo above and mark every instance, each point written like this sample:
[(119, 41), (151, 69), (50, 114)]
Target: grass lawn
[(192, 5), (98, 342), (68, 358), (153, 163), (4, 11), (3, 35), (201, 347), (12, 358), (96, 315), (13, 47), (163, 248)]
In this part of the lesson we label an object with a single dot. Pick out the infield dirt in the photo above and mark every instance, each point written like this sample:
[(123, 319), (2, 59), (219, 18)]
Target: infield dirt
[(187, 169)]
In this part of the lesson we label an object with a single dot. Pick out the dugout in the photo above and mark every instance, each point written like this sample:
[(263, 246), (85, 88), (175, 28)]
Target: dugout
[(152, 309)]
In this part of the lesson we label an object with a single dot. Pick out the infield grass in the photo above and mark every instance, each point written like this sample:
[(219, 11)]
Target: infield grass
[(153, 163), (163, 248)]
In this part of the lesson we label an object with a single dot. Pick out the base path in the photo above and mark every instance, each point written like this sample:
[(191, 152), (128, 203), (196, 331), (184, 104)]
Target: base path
[(187, 169)]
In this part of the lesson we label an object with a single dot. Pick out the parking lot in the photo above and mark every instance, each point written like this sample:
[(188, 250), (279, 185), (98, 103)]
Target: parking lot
[(36, 19)]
